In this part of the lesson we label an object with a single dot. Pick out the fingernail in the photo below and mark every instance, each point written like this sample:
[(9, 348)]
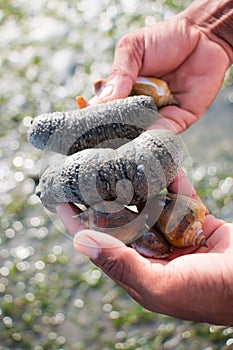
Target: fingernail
[(90, 243), (107, 91), (85, 243)]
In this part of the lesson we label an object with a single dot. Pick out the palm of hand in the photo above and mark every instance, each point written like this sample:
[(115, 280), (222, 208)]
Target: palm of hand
[(195, 84), (193, 284), (195, 72), (193, 66)]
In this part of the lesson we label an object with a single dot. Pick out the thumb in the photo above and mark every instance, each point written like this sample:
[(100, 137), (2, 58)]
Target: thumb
[(122, 264), (145, 280)]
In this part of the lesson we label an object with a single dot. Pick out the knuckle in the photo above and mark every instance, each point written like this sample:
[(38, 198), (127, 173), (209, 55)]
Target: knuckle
[(133, 44), (131, 39), (125, 40)]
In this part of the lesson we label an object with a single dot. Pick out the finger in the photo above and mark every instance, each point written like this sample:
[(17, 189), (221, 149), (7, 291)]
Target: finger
[(182, 185), (175, 118), (210, 226), (127, 63), (67, 213)]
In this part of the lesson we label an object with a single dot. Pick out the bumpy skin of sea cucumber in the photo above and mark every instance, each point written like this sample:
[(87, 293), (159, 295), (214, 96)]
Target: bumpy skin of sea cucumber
[(71, 132), (131, 174), (137, 170)]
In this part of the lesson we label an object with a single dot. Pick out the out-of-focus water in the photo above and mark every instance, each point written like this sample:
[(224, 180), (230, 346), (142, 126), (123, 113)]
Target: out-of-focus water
[(211, 137)]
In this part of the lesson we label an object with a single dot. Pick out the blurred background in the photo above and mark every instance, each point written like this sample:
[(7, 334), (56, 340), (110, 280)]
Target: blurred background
[(51, 297)]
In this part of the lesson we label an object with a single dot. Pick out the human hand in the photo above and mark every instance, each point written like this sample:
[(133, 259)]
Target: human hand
[(192, 283), (191, 62)]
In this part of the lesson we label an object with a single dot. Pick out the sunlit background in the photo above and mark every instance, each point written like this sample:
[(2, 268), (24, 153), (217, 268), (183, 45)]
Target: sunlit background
[(51, 297)]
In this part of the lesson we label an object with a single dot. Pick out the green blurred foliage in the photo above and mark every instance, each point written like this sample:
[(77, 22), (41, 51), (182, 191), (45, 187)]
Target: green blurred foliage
[(50, 296)]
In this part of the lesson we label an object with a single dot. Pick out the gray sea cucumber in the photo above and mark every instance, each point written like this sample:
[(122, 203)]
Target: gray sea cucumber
[(130, 174), (71, 132)]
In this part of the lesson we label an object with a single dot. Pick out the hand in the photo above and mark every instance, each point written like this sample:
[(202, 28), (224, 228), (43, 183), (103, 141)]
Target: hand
[(190, 62), (192, 283)]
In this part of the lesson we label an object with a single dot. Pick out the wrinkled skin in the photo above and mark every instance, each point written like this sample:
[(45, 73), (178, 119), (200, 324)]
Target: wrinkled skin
[(189, 71)]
